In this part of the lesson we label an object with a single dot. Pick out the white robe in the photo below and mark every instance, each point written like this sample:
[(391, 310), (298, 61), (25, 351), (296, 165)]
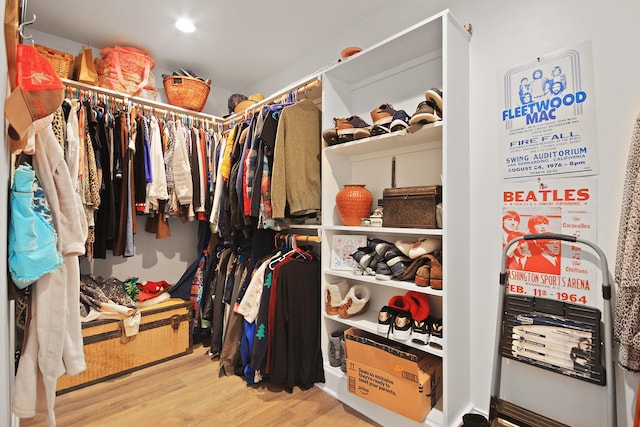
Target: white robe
[(54, 339)]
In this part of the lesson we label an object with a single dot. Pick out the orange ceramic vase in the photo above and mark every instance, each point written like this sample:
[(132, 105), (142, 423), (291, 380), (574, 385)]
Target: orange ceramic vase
[(354, 203)]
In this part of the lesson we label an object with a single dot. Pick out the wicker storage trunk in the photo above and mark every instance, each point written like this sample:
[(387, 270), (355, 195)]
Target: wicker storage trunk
[(165, 334)]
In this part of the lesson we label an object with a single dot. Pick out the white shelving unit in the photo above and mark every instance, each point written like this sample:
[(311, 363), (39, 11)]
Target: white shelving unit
[(432, 53)]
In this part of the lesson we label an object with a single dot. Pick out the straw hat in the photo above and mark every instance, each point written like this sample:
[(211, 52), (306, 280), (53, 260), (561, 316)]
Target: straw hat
[(256, 97), (243, 105)]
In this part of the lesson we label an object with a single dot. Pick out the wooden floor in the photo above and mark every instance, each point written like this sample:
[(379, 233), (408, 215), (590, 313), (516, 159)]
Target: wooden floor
[(188, 392)]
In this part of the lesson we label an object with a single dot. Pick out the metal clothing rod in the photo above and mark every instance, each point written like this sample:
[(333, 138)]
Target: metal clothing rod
[(278, 97), (126, 98)]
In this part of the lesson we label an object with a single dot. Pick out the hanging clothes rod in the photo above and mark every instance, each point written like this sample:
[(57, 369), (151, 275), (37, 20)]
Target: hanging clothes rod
[(127, 99), (279, 97)]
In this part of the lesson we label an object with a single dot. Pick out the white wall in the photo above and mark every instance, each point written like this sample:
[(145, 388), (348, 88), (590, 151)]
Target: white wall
[(506, 34)]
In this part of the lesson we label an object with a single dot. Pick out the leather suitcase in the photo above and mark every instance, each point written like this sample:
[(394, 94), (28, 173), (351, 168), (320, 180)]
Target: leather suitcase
[(164, 334), (411, 207)]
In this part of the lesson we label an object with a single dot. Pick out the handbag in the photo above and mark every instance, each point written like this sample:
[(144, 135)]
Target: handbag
[(124, 69), (33, 240), (84, 70)]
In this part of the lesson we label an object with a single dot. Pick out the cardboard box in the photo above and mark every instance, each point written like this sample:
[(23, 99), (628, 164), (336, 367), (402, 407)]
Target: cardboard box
[(390, 374)]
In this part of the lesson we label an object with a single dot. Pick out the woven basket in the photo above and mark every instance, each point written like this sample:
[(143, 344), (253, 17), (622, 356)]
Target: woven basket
[(186, 92), (62, 62)]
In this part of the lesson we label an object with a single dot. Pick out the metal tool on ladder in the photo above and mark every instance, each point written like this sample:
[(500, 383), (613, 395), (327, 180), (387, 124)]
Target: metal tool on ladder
[(500, 408)]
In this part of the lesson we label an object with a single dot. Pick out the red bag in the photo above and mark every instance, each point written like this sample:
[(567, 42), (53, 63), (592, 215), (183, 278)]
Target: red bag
[(124, 69)]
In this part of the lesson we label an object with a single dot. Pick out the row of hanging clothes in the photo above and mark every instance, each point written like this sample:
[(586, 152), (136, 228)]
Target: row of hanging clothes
[(268, 171), (129, 159), (262, 306)]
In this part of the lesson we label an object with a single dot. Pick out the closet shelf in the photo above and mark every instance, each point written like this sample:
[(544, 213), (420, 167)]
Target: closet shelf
[(398, 232), (368, 321), (425, 137), (396, 284), (126, 98)]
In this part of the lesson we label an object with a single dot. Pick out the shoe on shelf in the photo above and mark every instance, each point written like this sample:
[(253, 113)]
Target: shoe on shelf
[(435, 326), (422, 276), (410, 272), (424, 114), (382, 117), (386, 317), (379, 246), (331, 135), (404, 246), (352, 128), (364, 255), (435, 273), (400, 121), (420, 308), (420, 332), (434, 98), (335, 294), (355, 301), (383, 272), (335, 348), (397, 261), (402, 326), (423, 247), (402, 303)]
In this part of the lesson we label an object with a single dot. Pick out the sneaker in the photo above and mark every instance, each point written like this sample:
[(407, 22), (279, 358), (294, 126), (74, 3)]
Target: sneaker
[(383, 272), (424, 114), (331, 135), (420, 332), (379, 246), (386, 317), (397, 261), (402, 326), (435, 325), (434, 98), (400, 121), (352, 128), (363, 256), (382, 117), (423, 247), (355, 301)]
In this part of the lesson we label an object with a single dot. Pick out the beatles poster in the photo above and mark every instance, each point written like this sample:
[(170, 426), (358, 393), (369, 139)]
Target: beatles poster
[(549, 268), (548, 119)]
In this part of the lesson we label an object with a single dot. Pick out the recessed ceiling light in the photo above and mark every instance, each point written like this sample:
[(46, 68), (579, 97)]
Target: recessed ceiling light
[(185, 25)]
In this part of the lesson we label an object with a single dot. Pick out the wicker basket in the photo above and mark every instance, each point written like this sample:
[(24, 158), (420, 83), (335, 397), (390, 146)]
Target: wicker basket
[(186, 92), (62, 62)]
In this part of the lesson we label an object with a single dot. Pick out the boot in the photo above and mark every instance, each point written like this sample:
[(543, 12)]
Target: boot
[(151, 226), (163, 222), (335, 349)]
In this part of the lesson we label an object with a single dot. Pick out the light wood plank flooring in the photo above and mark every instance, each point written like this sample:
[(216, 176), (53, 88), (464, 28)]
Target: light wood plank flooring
[(188, 392)]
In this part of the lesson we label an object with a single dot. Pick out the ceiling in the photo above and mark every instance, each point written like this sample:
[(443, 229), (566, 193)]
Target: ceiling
[(236, 44)]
